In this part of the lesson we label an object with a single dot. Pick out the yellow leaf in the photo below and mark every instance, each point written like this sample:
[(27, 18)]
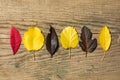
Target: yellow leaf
[(33, 39), (69, 37), (105, 38)]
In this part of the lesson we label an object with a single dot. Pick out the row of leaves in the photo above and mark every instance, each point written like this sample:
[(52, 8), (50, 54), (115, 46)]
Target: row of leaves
[(34, 40)]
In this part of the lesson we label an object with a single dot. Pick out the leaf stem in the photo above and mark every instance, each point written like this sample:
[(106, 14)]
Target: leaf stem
[(103, 56), (70, 52), (34, 55), (86, 54), (51, 56)]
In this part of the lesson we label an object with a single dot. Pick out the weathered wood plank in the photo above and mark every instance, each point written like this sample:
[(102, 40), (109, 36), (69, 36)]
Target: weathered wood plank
[(59, 14)]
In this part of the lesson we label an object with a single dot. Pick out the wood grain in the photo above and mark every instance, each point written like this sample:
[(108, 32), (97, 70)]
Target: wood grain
[(59, 14)]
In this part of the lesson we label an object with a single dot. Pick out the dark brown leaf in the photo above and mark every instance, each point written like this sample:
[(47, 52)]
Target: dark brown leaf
[(87, 43), (52, 43)]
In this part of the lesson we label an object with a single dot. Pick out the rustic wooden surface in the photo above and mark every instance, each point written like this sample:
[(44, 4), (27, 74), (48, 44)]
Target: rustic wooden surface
[(59, 13)]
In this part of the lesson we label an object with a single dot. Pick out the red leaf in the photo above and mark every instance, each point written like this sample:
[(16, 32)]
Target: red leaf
[(15, 39)]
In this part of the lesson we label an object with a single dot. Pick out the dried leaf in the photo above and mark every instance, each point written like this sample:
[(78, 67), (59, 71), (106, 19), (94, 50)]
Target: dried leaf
[(87, 43), (105, 38), (52, 42), (15, 39), (69, 38), (33, 39)]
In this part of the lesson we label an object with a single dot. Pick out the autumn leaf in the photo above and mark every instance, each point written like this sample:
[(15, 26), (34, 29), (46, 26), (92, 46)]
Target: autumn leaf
[(52, 43), (69, 38), (87, 43), (15, 39), (105, 38), (33, 39)]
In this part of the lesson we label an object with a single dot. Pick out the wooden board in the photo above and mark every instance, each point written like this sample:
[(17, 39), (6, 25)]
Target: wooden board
[(59, 13)]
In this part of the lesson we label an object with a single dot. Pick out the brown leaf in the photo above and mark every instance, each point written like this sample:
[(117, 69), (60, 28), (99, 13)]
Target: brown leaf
[(52, 43), (87, 43)]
